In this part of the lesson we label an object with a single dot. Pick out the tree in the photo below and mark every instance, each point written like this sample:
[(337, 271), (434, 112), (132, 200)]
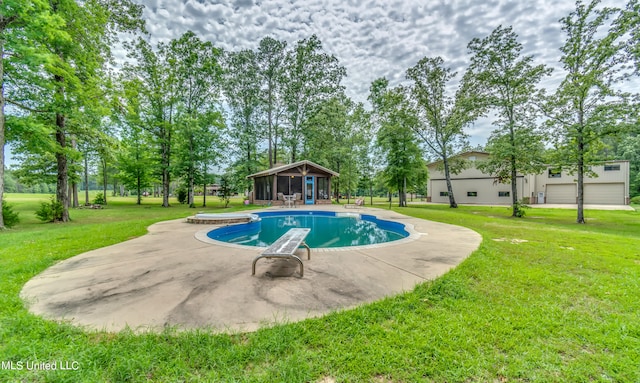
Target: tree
[(198, 74), (227, 188), (507, 82), (311, 77), (271, 59), (338, 137), (11, 183), (21, 56), (361, 122), (632, 15), (135, 160), (242, 90), (358, 144), (68, 83), (197, 149), (77, 74), (587, 106), (442, 119), (86, 148), (396, 139), (150, 102), (107, 148), (34, 168)]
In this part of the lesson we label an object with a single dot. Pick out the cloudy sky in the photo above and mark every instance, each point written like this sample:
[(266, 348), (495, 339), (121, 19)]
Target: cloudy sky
[(371, 38)]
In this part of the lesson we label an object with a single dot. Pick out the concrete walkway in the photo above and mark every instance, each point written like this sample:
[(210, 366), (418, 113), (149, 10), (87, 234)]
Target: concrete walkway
[(176, 276)]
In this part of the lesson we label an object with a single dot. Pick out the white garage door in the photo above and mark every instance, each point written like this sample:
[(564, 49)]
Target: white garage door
[(604, 194), (562, 193)]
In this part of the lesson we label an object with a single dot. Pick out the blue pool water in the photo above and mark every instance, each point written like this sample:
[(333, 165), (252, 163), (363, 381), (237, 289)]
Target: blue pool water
[(328, 229)]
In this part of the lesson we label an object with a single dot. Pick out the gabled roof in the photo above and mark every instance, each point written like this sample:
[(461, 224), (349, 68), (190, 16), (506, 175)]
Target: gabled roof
[(283, 168)]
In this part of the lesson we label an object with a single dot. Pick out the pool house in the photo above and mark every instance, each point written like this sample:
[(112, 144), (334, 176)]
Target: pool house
[(302, 182)]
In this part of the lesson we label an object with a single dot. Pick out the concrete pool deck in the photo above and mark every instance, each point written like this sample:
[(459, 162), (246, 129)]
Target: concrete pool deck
[(168, 277)]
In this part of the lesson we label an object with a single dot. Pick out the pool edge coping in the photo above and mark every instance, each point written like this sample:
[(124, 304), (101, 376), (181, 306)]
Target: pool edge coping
[(201, 235)]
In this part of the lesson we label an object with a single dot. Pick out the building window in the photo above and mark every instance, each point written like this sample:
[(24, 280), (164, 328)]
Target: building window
[(472, 158), (504, 194), (444, 194), (609, 168), (555, 173), (472, 194)]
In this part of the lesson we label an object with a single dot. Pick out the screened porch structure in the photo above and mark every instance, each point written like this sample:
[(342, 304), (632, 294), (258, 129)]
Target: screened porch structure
[(302, 182)]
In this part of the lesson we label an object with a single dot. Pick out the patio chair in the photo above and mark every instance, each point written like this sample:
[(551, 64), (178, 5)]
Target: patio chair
[(358, 203)]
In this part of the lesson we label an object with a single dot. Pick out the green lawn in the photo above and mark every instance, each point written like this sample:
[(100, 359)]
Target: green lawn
[(561, 307)]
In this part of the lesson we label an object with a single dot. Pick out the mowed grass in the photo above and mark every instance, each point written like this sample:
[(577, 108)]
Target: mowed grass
[(542, 300)]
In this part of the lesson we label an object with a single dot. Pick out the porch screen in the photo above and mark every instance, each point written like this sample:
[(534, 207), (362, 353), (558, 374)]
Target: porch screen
[(323, 188), (263, 188), (289, 184)]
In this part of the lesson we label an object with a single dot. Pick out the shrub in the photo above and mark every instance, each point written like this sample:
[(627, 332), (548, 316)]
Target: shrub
[(226, 189), (636, 199), (9, 216), (99, 199), (520, 209), (50, 212), (182, 195)]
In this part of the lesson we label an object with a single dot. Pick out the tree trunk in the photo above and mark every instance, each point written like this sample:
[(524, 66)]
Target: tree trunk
[(62, 195), (191, 176), (204, 193), (190, 192), (447, 176), (580, 218), (402, 193), (514, 189), (138, 188), (581, 149), (165, 187), (515, 209), (166, 179), (86, 179), (2, 125), (104, 180), (248, 160), (338, 185), (74, 193), (275, 142), (270, 125)]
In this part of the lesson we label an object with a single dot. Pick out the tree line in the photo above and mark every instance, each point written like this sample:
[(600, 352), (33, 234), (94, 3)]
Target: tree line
[(588, 118), (185, 109)]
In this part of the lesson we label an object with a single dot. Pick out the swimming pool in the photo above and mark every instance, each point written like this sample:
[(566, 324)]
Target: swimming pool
[(328, 229)]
